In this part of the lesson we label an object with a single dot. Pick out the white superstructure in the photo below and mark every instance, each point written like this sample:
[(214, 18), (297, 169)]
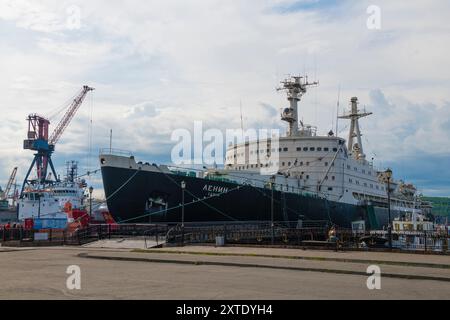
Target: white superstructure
[(328, 166)]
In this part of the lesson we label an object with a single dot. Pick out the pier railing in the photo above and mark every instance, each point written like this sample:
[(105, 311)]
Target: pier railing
[(305, 235), (258, 233), (317, 236), (52, 237)]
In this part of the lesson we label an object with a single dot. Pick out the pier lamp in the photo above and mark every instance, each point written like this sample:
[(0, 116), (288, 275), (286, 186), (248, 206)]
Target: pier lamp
[(91, 190), (272, 224), (183, 188), (388, 175)]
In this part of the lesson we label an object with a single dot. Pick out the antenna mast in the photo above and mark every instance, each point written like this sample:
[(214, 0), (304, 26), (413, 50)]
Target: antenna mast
[(355, 148), (295, 87)]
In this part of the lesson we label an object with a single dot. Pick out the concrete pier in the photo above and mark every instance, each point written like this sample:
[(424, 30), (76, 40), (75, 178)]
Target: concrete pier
[(219, 273)]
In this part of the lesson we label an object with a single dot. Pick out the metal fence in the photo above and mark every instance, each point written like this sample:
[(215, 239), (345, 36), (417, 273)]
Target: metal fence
[(262, 233), (22, 237), (310, 237), (305, 235)]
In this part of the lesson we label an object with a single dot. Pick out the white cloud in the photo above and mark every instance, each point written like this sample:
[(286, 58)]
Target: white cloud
[(161, 65), (32, 15)]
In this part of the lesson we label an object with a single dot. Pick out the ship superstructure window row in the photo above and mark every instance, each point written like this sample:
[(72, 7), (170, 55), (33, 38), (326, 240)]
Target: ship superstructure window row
[(242, 151)]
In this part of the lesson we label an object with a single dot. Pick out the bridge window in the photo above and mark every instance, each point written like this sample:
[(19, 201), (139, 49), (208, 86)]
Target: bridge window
[(319, 149), (305, 149), (335, 149), (312, 149), (326, 149)]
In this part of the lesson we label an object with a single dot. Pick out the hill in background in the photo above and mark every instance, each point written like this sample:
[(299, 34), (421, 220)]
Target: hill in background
[(441, 206)]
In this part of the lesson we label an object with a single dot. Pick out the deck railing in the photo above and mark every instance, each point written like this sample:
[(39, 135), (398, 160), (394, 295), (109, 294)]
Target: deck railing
[(115, 152), (309, 234)]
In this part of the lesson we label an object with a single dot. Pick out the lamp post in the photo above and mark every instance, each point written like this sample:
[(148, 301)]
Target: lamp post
[(272, 225), (183, 188), (91, 190), (388, 174)]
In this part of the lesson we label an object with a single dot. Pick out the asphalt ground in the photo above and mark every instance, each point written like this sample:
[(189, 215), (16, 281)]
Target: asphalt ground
[(209, 273)]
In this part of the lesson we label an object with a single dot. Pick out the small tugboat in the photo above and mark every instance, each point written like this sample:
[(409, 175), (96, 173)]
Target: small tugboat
[(415, 231), (52, 206)]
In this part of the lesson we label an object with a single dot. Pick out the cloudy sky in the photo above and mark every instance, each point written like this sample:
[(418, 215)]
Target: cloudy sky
[(159, 65)]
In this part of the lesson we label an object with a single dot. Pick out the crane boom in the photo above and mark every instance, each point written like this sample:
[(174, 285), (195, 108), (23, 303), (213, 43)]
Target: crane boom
[(10, 183), (70, 113), (38, 140)]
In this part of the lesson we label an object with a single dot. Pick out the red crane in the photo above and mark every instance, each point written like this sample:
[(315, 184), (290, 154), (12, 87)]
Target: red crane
[(39, 141), (70, 113)]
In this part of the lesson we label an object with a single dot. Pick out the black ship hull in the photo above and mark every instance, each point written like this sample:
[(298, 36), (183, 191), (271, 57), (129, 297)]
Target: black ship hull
[(156, 197)]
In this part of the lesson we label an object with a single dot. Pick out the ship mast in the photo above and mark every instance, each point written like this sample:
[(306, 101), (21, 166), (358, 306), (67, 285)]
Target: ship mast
[(295, 87), (356, 149)]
